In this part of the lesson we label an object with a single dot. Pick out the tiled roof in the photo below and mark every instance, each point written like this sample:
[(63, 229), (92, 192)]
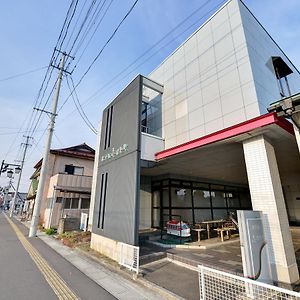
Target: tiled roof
[(83, 151)]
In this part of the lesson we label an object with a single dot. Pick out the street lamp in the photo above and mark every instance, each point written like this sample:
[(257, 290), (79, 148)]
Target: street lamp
[(9, 173), (5, 166), (18, 170)]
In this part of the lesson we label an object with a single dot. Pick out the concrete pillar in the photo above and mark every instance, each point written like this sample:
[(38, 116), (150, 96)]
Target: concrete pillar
[(267, 196)]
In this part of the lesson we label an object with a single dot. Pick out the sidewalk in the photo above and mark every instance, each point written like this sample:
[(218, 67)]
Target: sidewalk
[(117, 282)]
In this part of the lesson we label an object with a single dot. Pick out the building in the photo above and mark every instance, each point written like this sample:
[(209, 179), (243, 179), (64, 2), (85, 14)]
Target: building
[(194, 139), (68, 185)]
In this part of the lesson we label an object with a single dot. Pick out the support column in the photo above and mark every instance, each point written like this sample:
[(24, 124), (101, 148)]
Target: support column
[(267, 196)]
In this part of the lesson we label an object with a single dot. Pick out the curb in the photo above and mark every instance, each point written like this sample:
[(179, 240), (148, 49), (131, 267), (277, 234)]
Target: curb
[(154, 287)]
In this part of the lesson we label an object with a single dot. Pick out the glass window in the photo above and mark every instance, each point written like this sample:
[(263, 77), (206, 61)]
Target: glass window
[(78, 170), (202, 215), (67, 203), (58, 200), (73, 170), (181, 197), (186, 215), (218, 199), (201, 198), (165, 195), (232, 199), (75, 203), (85, 203), (156, 199), (220, 214), (165, 182), (176, 182), (166, 216), (156, 217), (202, 186)]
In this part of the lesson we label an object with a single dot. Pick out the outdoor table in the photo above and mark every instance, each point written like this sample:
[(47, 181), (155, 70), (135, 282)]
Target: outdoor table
[(208, 223), (198, 230), (228, 231)]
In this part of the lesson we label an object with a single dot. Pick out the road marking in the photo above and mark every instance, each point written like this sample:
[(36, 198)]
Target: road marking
[(58, 285)]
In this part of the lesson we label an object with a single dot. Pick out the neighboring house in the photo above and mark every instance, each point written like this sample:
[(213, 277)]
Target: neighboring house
[(68, 185), (194, 140)]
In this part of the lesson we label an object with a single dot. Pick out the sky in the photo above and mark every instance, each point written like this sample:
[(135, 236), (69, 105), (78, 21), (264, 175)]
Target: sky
[(29, 31)]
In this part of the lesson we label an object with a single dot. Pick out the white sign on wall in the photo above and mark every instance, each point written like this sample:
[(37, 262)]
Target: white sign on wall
[(115, 152)]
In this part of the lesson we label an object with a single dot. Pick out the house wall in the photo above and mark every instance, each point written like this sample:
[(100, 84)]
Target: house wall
[(57, 165), (61, 161), (260, 48)]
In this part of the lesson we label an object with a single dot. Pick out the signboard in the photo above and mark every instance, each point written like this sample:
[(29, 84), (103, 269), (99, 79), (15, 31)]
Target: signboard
[(254, 251)]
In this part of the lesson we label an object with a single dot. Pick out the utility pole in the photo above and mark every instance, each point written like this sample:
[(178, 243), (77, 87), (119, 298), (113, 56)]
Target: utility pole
[(12, 207), (44, 169)]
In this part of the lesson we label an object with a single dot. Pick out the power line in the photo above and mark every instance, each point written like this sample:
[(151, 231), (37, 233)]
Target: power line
[(110, 82), (91, 37), (22, 74), (32, 114), (100, 52), (79, 108)]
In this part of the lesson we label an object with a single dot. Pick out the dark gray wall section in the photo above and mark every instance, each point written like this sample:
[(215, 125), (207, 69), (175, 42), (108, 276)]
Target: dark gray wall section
[(122, 200)]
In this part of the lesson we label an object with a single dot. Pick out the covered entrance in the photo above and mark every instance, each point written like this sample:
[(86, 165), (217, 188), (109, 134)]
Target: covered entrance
[(210, 177)]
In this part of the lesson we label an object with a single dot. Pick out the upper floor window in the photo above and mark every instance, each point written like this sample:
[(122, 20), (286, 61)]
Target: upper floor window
[(73, 170)]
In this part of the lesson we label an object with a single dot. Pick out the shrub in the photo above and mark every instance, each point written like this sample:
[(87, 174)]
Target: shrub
[(50, 231)]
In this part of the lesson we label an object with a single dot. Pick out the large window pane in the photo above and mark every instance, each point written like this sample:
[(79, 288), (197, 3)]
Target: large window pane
[(186, 215), (202, 215), (75, 203), (218, 199), (156, 199), (166, 197), (220, 214), (67, 203), (201, 198), (232, 199), (181, 197), (85, 203), (156, 217)]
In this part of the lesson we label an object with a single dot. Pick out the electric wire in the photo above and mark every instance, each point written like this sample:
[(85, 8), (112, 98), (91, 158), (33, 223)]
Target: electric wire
[(113, 80), (93, 34), (100, 52), (90, 25), (75, 25), (79, 109), (22, 74)]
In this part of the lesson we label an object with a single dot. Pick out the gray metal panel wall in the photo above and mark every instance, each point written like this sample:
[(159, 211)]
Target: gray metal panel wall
[(122, 200)]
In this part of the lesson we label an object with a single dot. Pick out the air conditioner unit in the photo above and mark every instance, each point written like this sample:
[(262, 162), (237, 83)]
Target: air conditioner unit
[(84, 221)]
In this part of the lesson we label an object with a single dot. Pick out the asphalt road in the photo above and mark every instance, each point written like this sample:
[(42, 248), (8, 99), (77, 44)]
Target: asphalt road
[(20, 277)]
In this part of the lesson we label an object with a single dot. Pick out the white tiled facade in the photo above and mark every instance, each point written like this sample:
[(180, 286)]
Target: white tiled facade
[(219, 77), (267, 196)]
